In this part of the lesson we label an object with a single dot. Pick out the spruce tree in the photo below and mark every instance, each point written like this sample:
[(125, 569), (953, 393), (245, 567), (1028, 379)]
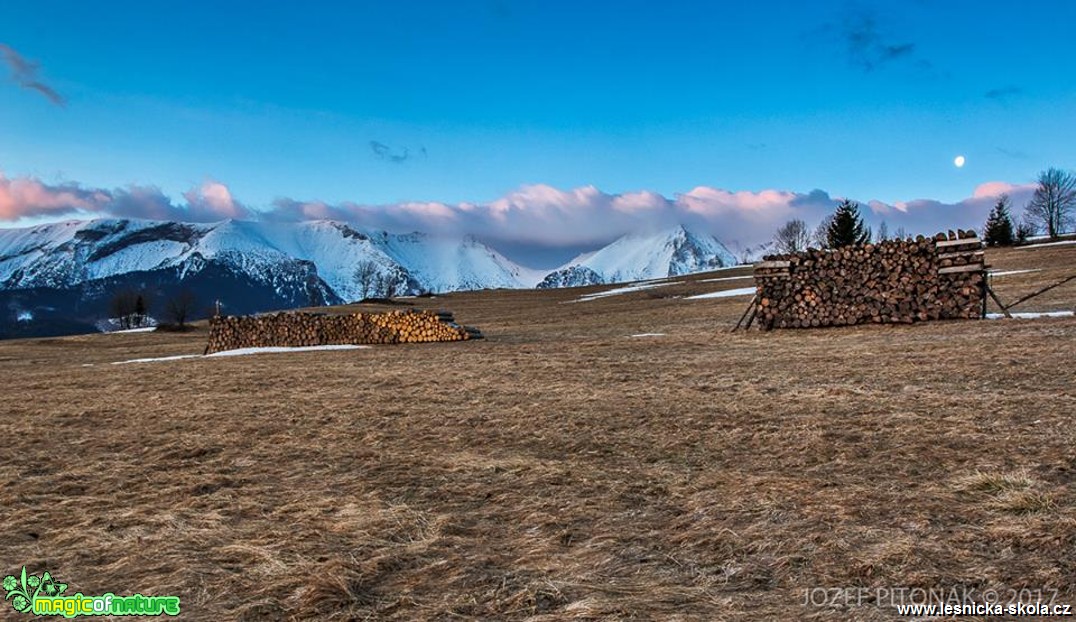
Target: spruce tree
[(847, 227), (999, 227)]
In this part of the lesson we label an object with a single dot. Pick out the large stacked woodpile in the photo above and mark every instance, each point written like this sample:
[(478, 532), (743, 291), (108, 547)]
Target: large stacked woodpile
[(901, 281), (312, 329)]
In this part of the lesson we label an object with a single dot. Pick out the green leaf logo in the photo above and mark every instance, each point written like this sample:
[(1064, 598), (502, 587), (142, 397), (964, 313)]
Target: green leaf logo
[(18, 591), (21, 604), (23, 590)]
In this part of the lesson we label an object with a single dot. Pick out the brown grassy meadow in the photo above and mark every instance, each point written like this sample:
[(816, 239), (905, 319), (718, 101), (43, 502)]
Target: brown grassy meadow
[(559, 469)]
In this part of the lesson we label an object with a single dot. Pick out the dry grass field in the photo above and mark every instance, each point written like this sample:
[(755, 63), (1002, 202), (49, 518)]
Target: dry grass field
[(560, 469)]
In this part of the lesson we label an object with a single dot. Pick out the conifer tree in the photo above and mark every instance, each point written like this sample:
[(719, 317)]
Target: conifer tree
[(999, 227), (847, 227)]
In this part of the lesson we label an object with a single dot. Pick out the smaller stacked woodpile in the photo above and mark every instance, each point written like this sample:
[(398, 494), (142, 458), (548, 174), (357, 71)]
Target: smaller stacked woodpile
[(295, 329), (895, 281)]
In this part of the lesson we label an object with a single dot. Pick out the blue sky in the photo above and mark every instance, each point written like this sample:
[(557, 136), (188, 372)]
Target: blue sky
[(468, 102)]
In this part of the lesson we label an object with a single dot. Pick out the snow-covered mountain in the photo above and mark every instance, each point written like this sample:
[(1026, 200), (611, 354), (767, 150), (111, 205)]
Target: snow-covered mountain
[(571, 276), (69, 271), (66, 254), (637, 257), (64, 275)]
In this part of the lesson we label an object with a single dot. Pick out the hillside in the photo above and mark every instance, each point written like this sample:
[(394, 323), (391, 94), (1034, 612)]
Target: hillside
[(599, 456), (59, 278)]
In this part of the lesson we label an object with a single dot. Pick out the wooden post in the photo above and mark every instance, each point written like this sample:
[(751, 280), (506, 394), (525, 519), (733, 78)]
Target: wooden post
[(754, 312), (750, 306), (1041, 291), (1004, 309)]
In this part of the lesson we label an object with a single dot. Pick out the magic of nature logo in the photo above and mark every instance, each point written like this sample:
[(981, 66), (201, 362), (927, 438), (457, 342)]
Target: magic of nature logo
[(44, 596)]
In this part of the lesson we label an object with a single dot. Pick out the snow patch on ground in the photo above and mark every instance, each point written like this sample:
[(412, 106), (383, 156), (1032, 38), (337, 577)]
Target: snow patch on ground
[(734, 266), (1061, 243), (649, 335), (1008, 272), (146, 329), (1030, 316), (115, 325), (244, 352), (728, 293), (727, 278), (635, 287), (275, 350), (160, 358)]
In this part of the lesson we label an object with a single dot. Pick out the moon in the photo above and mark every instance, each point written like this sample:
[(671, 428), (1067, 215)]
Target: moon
[(958, 161)]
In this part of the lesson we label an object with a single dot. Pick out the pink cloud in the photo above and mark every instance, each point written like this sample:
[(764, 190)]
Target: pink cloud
[(428, 211), (213, 201), (540, 199), (992, 189), (884, 209), (708, 200), (28, 197), (533, 215), (639, 202)]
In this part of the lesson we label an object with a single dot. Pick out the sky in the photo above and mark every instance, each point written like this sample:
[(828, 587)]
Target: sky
[(532, 123)]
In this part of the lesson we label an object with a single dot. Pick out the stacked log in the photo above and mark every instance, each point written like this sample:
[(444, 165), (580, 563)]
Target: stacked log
[(310, 329), (896, 281)]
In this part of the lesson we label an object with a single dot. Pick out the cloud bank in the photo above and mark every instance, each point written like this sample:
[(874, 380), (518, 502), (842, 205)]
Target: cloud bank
[(535, 215), (28, 197)]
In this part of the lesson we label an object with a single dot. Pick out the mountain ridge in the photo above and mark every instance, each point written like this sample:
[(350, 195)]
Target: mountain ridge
[(642, 256), (72, 264)]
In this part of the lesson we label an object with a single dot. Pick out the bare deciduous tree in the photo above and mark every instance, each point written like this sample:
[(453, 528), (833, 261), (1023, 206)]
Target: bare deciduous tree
[(792, 237), (1054, 201), (364, 277), (883, 232), (390, 287), (377, 283), (1025, 229), (820, 236), (123, 307), (178, 308)]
